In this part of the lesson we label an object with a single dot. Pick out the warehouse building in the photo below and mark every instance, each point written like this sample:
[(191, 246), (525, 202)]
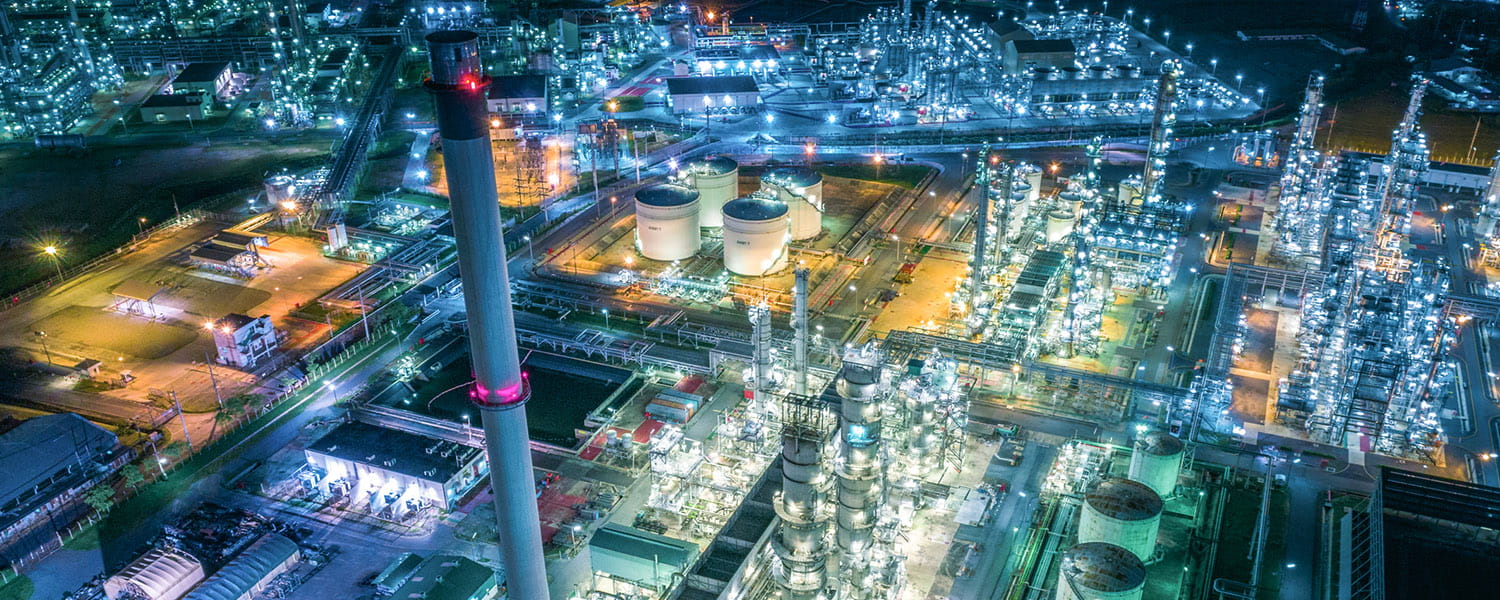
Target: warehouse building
[(49, 463), (164, 573), (630, 558), (250, 572), (447, 577), (394, 469), (522, 95), (212, 79), (174, 108), (734, 94)]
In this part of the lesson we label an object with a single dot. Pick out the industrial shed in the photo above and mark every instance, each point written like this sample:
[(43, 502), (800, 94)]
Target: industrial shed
[(639, 557), (251, 571), (164, 573)]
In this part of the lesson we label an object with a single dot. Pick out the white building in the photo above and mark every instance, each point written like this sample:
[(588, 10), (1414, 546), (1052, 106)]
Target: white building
[(164, 573), (382, 469), (524, 95), (243, 341), (735, 94)]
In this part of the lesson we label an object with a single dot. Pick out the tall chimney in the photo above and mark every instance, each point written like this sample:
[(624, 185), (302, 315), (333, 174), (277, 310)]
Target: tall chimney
[(458, 86)]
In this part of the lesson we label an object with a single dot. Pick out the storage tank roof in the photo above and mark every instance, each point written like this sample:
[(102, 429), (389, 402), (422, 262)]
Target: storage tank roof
[(1124, 499), (714, 165), (666, 194), (1103, 567), (794, 176), (1158, 443), (754, 208)]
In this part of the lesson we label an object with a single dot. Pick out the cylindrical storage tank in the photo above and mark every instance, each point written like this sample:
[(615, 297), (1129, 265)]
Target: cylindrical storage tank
[(666, 222), (1121, 512), (1100, 571), (1034, 179), (1059, 225), (280, 188), (755, 235), (802, 191), (1156, 462), (717, 180)]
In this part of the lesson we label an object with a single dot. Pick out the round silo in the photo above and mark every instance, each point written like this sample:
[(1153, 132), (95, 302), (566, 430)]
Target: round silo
[(717, 180), (1122, 512), (666, 221), (755, 235), (1156, 462), (280, 188), (802, 191), (1100, 571)]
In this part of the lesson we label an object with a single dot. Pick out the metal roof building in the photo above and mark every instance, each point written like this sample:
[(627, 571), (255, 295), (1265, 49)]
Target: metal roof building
[(48, 461), (164, 573), (248, 573)]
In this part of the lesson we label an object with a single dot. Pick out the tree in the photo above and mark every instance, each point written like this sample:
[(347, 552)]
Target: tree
[(101, 498), (133, 476)]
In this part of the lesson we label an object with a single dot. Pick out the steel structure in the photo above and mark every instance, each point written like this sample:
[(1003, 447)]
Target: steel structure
[(1302, 207)]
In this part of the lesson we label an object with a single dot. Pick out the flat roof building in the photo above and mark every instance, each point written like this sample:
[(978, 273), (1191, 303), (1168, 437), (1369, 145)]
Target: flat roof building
[(174, 108), (244, 341), (393, 469), (734, 94), (447, 577), (213, 79)]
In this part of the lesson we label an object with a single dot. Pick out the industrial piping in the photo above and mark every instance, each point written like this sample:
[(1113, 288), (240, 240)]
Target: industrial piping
[(458, 86)]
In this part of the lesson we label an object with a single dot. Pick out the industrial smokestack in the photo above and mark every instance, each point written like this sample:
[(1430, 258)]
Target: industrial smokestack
[(458, 86)]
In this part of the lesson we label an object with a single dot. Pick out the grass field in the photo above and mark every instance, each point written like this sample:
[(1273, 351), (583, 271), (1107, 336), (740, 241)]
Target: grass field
[(19, 588), (90, 204)]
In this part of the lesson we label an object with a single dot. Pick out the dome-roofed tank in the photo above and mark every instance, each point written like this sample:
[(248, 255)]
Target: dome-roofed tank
[(1100, 571), (666, 221), (802, 191), (280, 188), (1156, 462), (755, 234), (717, 179), (1060, 223), (1122, 512)]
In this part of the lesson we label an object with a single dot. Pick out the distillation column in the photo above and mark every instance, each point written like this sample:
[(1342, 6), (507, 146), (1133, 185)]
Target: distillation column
[(1163, 119), (860, 470), (458, 86), (800, 543), (799, 332), (760, 385)]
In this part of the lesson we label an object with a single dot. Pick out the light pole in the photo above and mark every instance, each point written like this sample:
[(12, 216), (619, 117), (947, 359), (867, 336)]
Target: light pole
[(606, 318), (1238, 79), (56, 260), (42, 337), (140, 225), (1214, 64), (530, 256), (897, 241), (1190, 50), (333, 389)]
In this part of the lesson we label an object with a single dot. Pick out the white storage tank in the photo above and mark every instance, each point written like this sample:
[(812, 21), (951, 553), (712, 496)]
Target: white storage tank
[(666, 222), (1100, 571), (1121, 512), (717, 180), (1060, 224), (280, 188), (1157, 461), (755, 235), (802, 191)]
